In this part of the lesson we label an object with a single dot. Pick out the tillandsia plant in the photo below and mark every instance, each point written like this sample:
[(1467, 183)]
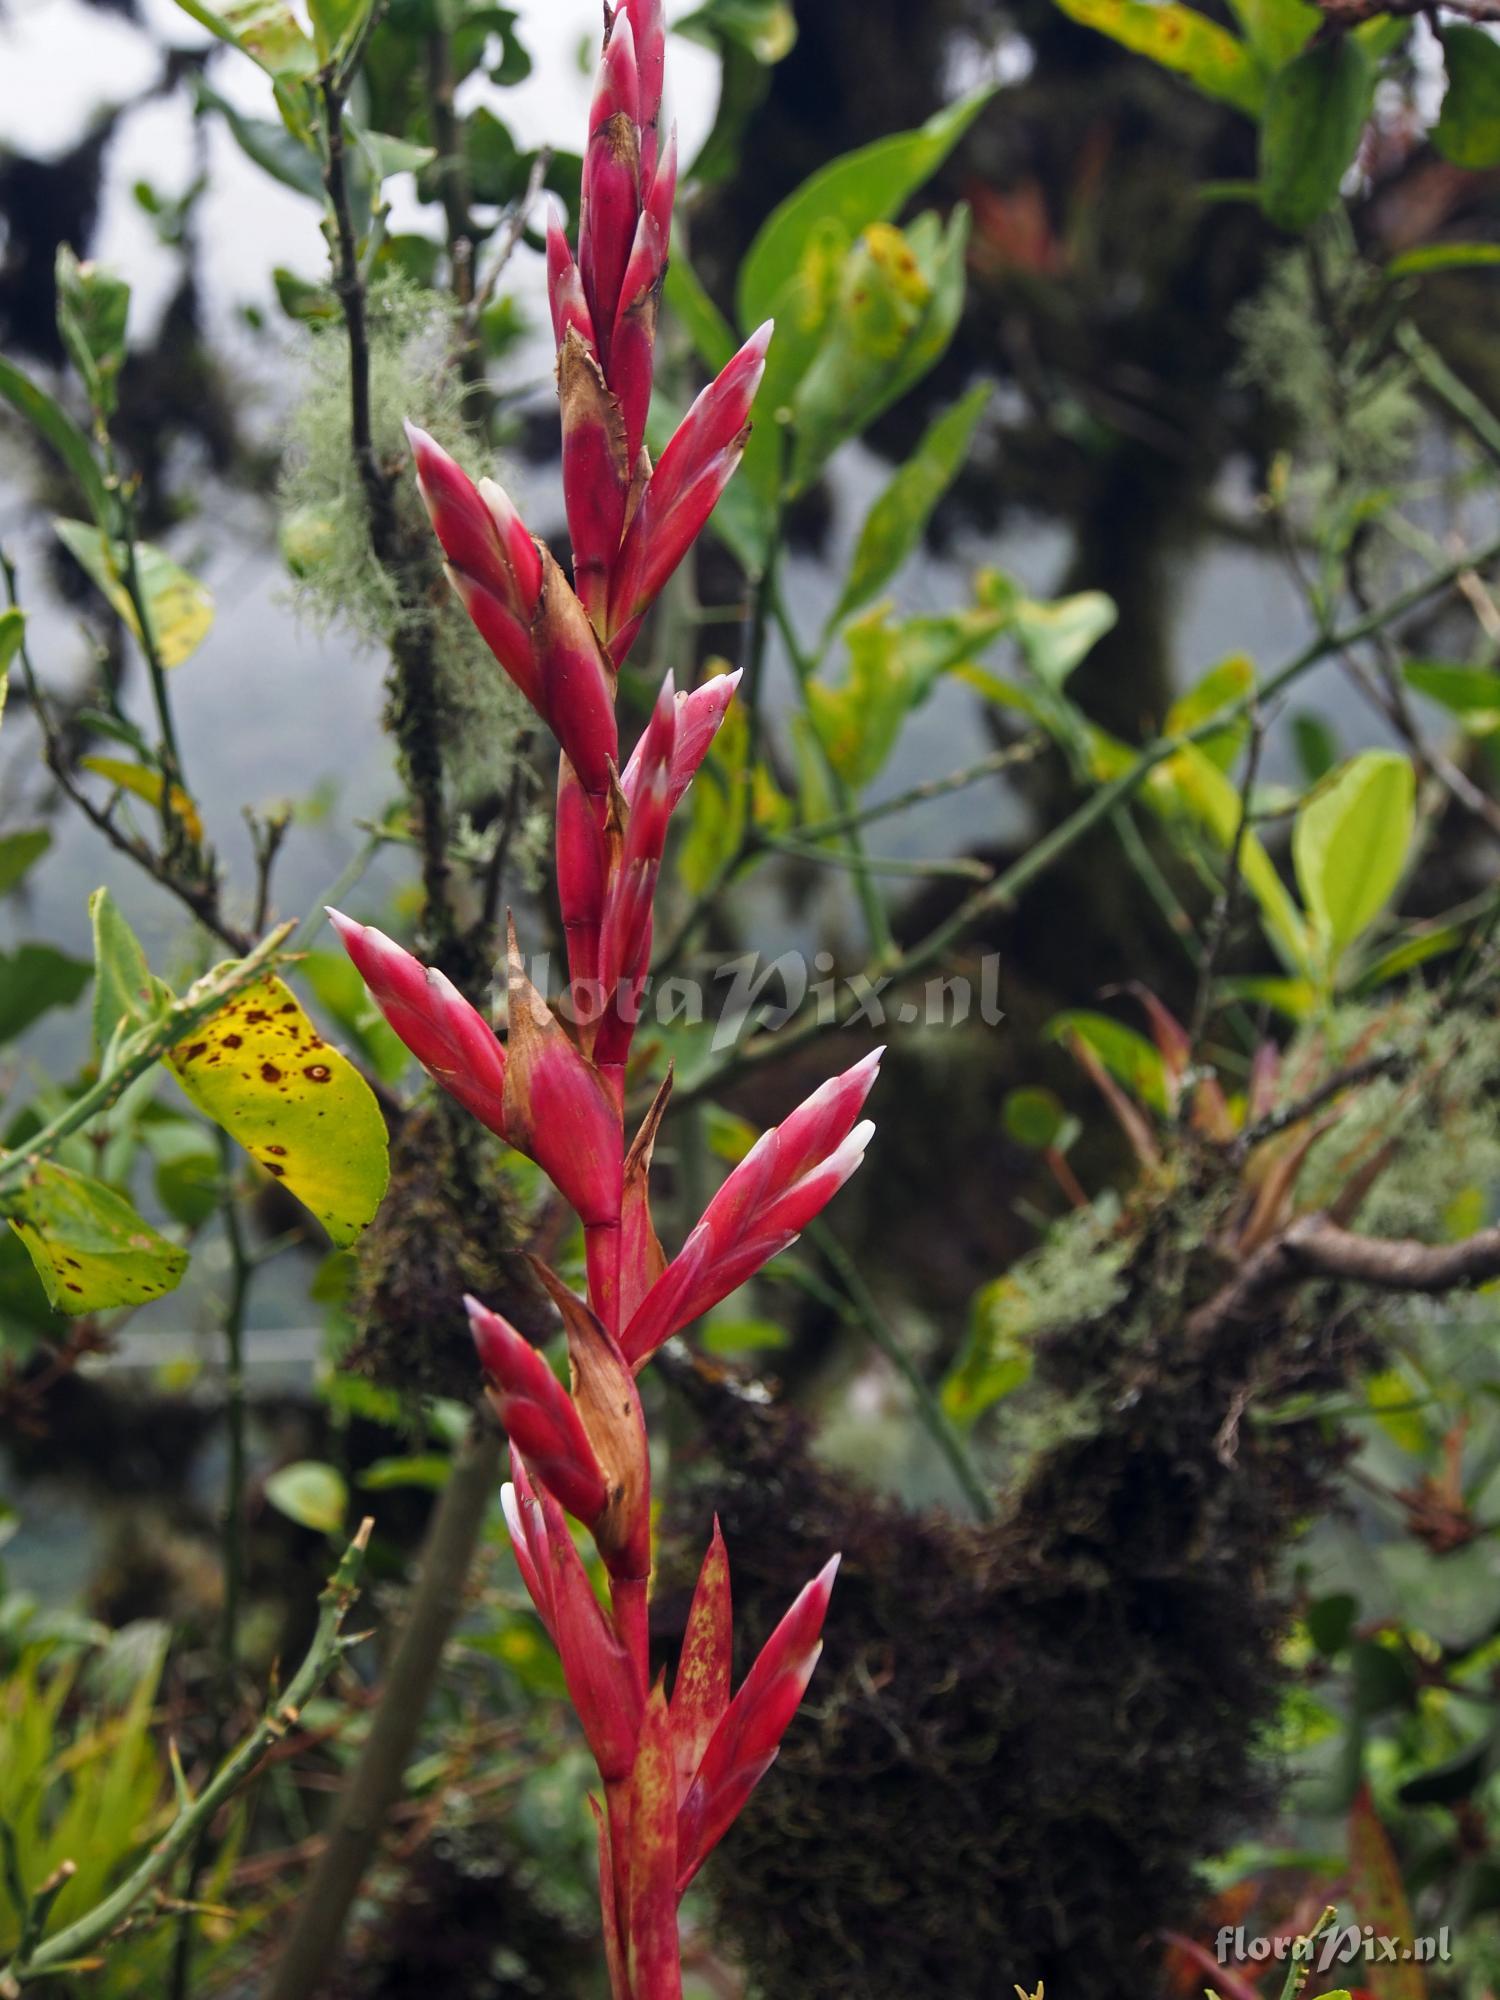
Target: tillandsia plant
[(675, 1772)]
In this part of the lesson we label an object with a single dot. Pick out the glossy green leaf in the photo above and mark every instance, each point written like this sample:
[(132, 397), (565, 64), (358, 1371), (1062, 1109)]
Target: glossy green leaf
[(179, 608), (33, 979), (310, 1493), (53, 424), (19, 854), (1178, 38), (261, 1070), (1350, 844), (1315, 112), (894, 525), (835, 204), (91, 1250), (125, 992), (1468, 128), (92, 308)]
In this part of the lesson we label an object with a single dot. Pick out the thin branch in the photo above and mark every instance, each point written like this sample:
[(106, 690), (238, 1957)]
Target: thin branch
[(312, 1946), (76, 1940), (510, 236)]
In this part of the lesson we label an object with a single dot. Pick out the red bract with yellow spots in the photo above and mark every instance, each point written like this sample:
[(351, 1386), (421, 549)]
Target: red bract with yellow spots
[(675, 1772)]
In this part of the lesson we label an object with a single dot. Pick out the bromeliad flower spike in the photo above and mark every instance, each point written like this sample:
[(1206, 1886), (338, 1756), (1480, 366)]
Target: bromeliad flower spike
[(675, 1772)]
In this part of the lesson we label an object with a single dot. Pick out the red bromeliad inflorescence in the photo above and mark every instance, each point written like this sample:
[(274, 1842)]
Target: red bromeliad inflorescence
[(675, 1773)]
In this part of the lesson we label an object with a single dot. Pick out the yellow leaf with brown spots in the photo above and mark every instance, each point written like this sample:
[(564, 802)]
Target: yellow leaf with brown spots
[(261, 1070), (91, 1250)]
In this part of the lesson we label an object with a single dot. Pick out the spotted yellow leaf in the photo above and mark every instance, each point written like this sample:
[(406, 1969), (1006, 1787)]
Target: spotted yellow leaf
[(261, 1070), (91, 1250), (180, 609), (147, 785)]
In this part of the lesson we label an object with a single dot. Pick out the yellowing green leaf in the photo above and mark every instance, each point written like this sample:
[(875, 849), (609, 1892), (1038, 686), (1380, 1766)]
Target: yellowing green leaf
[(261, 1070), (91, 1250), (1178, 38), (125, 991), (310, 1493), (1350, 844), (148, 785), (266, 30), (180, 609)]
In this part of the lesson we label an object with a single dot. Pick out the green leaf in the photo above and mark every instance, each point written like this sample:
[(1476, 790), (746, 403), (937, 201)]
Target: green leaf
[(1468, 128), (91, 1250), (53, 424), (1130, 1058), (1178, 38), (1276, 29), (92, 309), (1057, 637), (835, 204), (899, 299), (125, 992), (336, 25), (707, 328), (261, 1070), (1443, 257), (1221, 687), (730, 1337), (1034, 1117), (19, 854), (33, 979), (1350, 843), (270, 146), (894, 525), (1191, 783), (310, 1493), (265, 30), (748, 36), (1470, 693), (179, 608), (996, 1357), (1316, 745), (1315, 111), (428, 1469), (150, 786), (386, 154), (765, 29)]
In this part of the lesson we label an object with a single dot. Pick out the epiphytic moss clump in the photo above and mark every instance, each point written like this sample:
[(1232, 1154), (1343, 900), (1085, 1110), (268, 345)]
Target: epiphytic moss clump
[(337, 578)]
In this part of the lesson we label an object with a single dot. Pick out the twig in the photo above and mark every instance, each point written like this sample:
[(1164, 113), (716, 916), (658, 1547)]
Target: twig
[(1221, 922), (198, 893), (1023, 752), (312, 1945), (58, 1953), (510, 236), (1388, 1062)]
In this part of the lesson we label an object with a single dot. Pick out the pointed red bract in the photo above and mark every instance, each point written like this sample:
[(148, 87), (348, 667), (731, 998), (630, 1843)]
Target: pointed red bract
[(602, 1683), (450, 1038), (684, 489), (611, 180), (700, 711), (539, 1416), (744, 1745), (652, 1956), (789, 1175), (557, 1111), (700, 1694)]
